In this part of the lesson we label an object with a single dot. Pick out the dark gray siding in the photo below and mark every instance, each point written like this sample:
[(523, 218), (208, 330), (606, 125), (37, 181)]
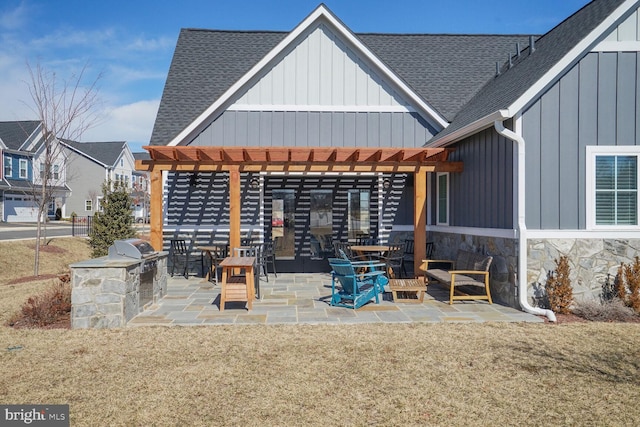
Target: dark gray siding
[(313, 129), (594, 103), (482, 195), (204, 200)]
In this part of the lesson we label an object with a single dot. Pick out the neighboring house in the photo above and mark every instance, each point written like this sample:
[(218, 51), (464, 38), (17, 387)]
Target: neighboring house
[(548, 141), (141, 191), (93, 164), (23, 160)]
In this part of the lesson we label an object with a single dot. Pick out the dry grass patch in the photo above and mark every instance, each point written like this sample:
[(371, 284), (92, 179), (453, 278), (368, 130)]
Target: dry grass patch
[(417, 374), (16, 275), (17, 257)]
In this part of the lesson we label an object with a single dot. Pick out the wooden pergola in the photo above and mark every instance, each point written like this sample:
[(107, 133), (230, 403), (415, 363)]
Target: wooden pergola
[(235, 160)]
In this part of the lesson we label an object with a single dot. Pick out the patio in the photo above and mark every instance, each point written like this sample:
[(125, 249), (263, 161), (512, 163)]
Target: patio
[(303, 299)]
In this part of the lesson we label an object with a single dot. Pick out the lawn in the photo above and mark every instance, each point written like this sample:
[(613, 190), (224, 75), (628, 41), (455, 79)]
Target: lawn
[(387, 374)]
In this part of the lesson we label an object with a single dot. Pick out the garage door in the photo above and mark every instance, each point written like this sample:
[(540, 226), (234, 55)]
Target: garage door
[(20, 209)]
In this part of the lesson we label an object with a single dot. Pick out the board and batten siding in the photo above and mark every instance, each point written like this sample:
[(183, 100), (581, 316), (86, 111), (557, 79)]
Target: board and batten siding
[(482, 195), (321, 70), (595, 103), (316, 129)]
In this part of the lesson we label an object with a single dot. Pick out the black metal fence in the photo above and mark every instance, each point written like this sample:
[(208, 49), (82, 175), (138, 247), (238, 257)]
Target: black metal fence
[(81, 225)]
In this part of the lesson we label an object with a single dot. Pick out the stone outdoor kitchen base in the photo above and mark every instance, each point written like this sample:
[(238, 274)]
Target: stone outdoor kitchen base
[(107, 293)]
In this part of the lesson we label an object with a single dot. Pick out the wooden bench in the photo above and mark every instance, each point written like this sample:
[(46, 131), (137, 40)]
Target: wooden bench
[(469, 269), (409, 286)]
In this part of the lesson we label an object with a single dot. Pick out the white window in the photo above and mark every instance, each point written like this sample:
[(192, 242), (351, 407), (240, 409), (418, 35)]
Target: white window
[(99, 202), (56, 172), (8, 169), (442, 190), (612, 187), (23, 168), (88, 205)]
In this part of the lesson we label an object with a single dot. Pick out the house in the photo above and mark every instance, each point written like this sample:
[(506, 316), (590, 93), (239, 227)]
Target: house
[(92, 164), (23, 152), (527, 158), (140, 191)]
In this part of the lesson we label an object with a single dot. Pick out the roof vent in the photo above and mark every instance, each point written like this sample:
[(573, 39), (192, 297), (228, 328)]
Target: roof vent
[(532, 45), (497, 68), (518, 49), (510, 61)]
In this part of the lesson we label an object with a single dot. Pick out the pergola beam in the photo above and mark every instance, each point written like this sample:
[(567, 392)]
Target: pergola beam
[(236, 160)]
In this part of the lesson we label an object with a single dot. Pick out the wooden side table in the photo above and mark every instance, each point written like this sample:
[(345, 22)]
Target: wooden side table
[(234, 287), (407, 285)]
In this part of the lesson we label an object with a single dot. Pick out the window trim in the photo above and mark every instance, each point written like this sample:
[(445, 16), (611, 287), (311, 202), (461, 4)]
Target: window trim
[(22, 162), (447, 198), (592, 152), (88, 203), (8, 165)]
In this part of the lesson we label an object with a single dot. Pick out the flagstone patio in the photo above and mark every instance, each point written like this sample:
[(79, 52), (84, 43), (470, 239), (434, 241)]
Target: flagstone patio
[(304, 299)]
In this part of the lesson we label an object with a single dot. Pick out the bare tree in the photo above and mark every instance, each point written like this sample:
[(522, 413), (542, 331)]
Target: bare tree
[(66, 109)]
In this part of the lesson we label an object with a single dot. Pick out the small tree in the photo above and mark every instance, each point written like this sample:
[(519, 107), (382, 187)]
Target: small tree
[(558, 287), (65, 110), (627, 284), (114, 221)]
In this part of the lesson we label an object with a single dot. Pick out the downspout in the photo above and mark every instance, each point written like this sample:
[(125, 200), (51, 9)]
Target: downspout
[(522, 227)]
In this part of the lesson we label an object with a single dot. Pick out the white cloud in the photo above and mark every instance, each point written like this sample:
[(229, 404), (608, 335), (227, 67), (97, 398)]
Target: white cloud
[(14, 18), (131, 122)]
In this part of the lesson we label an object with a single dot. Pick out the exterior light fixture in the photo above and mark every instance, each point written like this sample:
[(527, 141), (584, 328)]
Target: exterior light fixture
[(386, 184), (255, 183), (193, 181)]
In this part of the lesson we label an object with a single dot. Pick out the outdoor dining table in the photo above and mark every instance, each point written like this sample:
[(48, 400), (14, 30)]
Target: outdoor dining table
[(215, 253), (370, 250), (237, 287)]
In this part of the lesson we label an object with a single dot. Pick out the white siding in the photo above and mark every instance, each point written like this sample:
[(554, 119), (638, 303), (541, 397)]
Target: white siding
[(321, 70)]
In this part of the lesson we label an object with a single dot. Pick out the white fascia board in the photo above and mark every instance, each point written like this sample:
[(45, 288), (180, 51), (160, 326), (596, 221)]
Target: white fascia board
[(33, 140), (470, 129), (321, 12), (504, 233), (584, 234), (578, 50), (83, 154), (324, 108)]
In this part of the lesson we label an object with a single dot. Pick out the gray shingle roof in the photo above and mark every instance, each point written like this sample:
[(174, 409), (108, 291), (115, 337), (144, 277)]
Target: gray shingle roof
[(141, 156), (14, 134), (502, 91), (104, 152), (445, 70)]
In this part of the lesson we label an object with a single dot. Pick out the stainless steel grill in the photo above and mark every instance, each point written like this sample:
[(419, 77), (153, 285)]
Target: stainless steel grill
[(138, 249)]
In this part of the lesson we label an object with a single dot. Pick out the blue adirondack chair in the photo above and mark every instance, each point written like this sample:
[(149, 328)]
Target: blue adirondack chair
[(360, 282)]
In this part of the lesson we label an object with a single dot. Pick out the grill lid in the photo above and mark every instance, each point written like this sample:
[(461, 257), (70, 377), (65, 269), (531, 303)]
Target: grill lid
[(132, 248)]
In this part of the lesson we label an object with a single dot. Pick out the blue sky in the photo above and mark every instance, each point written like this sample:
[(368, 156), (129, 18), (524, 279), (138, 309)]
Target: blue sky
[(131, 42)]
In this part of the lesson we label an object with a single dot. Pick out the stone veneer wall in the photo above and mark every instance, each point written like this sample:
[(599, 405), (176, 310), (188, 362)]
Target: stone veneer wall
[(105, 294), (590, 260), (502, 274)]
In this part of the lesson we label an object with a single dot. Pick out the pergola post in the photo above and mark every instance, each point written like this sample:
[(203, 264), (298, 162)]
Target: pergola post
[(420, 218), (155, 217), (235, 204)]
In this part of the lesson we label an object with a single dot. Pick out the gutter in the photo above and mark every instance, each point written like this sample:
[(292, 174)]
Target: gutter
[(522, 227)]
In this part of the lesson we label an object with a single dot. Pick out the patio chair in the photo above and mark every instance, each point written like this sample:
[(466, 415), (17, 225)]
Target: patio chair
[(408, 255), (267, 256), (253, 250), (180, 254), (394, 260), (342, 250), (356, 288)]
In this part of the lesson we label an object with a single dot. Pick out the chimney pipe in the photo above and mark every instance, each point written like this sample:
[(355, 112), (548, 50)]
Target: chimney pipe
[(532, 45)]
